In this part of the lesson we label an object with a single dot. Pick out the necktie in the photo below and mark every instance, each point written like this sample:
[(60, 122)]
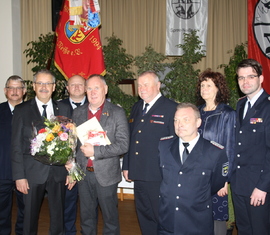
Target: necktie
[(185, 152), (77, 104), (145, 109), (44, 114), (248, 109)]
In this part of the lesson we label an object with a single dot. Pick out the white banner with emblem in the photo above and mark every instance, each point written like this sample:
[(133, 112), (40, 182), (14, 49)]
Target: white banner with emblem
[(183, 16)]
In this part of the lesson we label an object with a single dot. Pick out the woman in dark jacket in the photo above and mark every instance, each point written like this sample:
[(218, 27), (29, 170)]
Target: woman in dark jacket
[(218, 120)]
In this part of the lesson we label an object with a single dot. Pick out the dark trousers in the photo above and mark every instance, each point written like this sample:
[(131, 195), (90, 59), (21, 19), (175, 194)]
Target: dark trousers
[(92, 194), (251, 220), (70, 213), (33, 200), (7, 187), (147, 200)]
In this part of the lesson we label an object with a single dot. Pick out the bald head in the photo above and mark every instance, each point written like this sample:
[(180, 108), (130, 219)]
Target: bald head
[(76, 87)]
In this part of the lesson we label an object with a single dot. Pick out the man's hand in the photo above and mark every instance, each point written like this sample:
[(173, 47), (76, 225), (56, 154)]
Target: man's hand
[(22, 185), (69, 182), (125, 174), (257, 197), (69, 165), (88, 150)]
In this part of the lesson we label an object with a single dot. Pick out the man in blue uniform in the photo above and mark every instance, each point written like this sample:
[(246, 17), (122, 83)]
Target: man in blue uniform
[(77, 97), (192, 170), (151, 118), (250, 180), (14, 90)]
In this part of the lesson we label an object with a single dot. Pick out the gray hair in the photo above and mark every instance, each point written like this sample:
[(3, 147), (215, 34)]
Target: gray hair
[(189, 105), (152, 73), (15, 78), (99, 76), (44, 71)]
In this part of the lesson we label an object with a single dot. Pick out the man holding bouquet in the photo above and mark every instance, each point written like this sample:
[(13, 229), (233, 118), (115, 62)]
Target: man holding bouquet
[(101, 163), (32, 177)]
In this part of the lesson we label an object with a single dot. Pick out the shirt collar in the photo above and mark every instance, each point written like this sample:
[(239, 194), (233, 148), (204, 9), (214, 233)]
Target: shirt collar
[(254, 99), (151, 103), (192, 143), (73, 105)]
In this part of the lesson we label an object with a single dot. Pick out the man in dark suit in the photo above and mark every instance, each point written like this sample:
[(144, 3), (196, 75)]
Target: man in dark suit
[(193, 169), (151, 118), (76, 90), (250, 179), (101, 163), (14, 91), (32, 177)]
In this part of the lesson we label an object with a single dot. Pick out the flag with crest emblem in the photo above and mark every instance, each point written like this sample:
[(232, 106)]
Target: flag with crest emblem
[(78, 48)]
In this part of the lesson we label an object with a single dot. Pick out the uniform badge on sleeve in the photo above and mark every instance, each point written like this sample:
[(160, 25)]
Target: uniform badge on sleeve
[(166, 137), (217, 144), (225, 168)]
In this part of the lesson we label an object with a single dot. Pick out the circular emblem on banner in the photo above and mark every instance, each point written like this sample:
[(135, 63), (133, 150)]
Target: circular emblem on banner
[(186, 9), (77, 35), (261, 26)]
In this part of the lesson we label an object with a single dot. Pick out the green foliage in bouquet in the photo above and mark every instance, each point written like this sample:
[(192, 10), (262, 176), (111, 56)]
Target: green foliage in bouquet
[(54, 144)]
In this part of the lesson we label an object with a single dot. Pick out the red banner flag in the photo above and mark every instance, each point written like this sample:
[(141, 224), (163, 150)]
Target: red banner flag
[(78, 48), (259, 36)]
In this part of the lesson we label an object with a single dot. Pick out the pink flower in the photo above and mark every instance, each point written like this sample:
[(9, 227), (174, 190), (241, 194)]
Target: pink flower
[(63, 136)]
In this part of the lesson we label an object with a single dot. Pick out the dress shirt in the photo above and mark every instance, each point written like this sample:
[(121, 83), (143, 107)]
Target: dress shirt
[(11, 107), (252, 101), (152, 102), (192, 143), (73, 105), (49, 109)]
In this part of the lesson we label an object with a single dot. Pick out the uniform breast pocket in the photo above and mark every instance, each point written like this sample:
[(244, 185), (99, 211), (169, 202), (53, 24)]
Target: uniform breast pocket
[(254, 134), (167, 173), (200, 178)]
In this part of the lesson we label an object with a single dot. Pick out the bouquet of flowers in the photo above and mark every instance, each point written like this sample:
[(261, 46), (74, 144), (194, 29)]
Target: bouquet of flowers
[(55, 144)]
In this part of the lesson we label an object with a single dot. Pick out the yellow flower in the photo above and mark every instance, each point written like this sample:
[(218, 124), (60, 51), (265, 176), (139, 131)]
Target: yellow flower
[(56, 128), (49, 137)]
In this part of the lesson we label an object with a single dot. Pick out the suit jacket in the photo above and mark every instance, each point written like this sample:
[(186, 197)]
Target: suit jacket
[(107, 163), (24, 166), (5, 139), (251, 166), (186, 189), (67, 101), (145, 132)]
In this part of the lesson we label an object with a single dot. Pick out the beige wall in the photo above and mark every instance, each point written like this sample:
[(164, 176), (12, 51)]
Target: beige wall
[(10, 42)]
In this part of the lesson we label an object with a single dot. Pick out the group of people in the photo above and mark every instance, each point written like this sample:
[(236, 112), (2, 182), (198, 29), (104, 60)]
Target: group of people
[(181, 157)]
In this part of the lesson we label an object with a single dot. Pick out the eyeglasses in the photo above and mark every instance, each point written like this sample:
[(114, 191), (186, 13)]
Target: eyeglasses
[(248, 77), (78, 85), (10, 88), (44, 83)]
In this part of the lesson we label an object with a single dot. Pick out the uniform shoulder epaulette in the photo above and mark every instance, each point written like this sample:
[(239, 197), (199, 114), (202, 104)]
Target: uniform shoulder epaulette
[(217, 144), (166, 137), (242, 97)]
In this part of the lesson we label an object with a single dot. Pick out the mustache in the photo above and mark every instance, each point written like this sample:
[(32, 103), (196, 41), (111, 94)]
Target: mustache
[(14, 95), (43, 90)]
